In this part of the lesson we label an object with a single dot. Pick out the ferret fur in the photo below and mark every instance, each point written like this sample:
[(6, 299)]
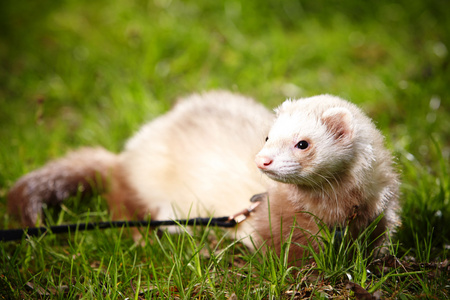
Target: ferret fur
[(344, 177), (198, 160)]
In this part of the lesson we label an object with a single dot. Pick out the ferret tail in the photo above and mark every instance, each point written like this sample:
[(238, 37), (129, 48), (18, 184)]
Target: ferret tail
[(85, 170)]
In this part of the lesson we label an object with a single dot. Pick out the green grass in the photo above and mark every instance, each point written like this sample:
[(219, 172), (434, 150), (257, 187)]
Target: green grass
[(76, 73)]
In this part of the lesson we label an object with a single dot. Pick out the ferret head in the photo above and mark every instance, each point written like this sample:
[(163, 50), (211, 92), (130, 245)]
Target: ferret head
[(311, 142)]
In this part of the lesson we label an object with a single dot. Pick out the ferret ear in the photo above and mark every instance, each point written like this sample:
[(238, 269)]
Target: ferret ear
[(283, 107), (339, 122)]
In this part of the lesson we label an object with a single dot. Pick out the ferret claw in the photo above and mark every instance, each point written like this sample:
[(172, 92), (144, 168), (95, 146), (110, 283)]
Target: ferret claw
[(259, 197)]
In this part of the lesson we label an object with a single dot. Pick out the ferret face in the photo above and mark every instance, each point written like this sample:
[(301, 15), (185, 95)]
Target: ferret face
[(309, 143)]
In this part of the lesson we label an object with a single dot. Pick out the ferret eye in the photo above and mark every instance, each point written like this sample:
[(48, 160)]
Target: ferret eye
[(267, 138), (302, 145)]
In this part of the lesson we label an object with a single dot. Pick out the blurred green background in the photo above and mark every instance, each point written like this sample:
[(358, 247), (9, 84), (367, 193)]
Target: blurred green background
[(76, 73)]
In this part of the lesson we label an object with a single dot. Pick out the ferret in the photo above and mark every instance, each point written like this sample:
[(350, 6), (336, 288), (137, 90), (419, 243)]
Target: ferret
[(321, 155), (327, 161)]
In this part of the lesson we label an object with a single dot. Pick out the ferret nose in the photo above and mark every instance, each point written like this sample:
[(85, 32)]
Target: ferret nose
[(263, 161)]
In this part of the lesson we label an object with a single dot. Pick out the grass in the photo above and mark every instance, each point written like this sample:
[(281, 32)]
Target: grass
[(75, 73)]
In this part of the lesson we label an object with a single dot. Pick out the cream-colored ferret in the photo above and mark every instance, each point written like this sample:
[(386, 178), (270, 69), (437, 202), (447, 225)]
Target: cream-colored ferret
[(322, 155)]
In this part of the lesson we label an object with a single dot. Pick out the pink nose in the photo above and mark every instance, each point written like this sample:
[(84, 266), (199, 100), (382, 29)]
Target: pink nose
[(263, 161)]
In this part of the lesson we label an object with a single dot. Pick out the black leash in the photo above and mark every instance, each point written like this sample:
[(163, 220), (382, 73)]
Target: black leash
[(18, 234), (226, 222)]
